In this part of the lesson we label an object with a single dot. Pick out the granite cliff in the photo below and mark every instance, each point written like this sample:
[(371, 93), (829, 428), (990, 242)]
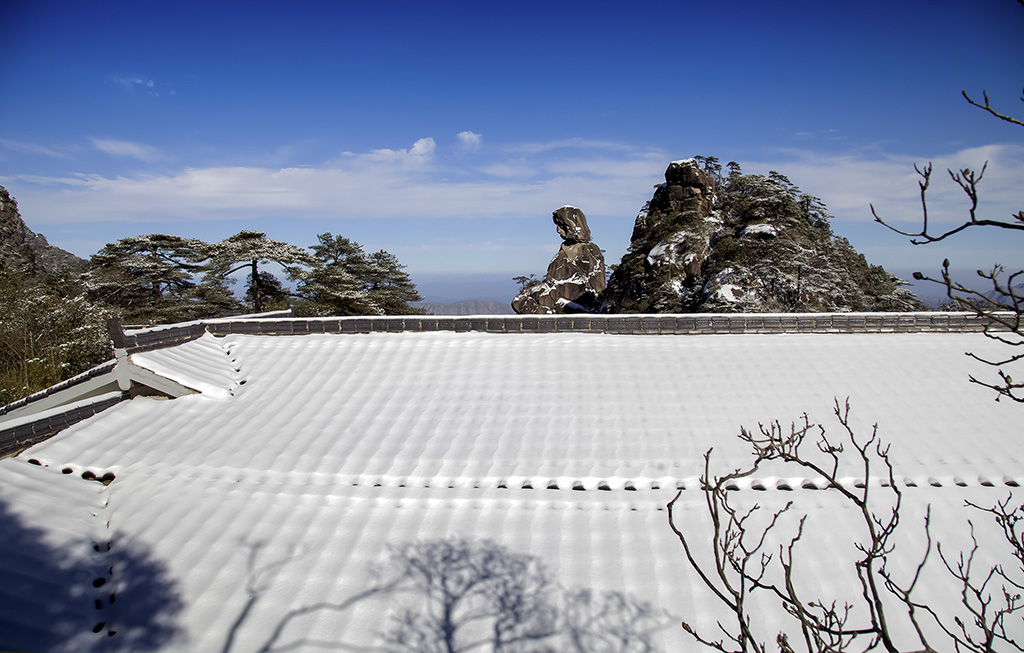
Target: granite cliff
[(23, 250), (708, 243)]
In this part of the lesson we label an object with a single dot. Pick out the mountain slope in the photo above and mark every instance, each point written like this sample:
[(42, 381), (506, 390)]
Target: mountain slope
[(22, 249)]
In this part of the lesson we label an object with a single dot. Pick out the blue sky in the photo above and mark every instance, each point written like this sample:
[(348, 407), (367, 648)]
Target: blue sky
[(447, 132)]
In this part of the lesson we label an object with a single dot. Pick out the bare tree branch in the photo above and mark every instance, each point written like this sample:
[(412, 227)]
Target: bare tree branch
[(988, 107), (1000, 308), (881, 606)]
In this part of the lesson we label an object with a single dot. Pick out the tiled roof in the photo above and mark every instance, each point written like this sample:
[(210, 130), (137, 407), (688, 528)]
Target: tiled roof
[(261, 505)]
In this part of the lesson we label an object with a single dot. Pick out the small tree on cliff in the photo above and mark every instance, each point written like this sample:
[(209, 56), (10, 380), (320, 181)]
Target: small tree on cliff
[(250, 249)]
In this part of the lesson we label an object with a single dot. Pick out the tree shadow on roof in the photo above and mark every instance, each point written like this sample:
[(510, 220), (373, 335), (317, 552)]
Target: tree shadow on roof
[(80, 594), (453, 595)]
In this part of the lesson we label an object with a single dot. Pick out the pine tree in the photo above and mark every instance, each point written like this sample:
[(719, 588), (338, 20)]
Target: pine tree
[(250, 249), (390, 288), (336, 282), (275, 297), (152, 279)]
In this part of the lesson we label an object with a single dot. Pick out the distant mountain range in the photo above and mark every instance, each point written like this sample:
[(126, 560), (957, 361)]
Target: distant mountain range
[(996, 296), (469, 307)]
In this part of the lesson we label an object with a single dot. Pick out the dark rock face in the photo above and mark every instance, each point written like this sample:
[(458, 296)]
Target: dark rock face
[(571, 225), (576, 275), (745, 243), (22, 249)]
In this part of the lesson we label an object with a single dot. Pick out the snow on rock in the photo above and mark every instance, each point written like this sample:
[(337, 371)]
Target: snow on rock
[(763, 230), (777, 239), (671, 239), (575, 276), (723, 288)]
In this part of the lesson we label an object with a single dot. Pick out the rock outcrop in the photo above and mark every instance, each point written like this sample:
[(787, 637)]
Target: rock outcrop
[(26, 251), (743, 243), (576, 275)]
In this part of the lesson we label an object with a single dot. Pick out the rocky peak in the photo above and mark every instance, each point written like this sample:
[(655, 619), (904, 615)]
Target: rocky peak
[(22, 249), (743, 243), (575, 276)]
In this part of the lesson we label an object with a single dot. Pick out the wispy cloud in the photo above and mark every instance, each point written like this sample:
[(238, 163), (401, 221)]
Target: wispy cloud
[(61, 152), (127, 149), (510, 169), (137, 83), (571, 144), (131, 81)]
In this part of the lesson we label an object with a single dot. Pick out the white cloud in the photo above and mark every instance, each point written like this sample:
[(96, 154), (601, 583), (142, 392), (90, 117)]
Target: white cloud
[(133, 83), (139, 84), (421, 152), (610, 184), (510, 170), (469, 140), (127, 149), (381, 183), (571, 144)]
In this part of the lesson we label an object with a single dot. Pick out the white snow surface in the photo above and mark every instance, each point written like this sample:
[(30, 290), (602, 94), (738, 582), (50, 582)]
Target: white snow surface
[(254, 507), (729, 292), (759, 229), (206, 365)]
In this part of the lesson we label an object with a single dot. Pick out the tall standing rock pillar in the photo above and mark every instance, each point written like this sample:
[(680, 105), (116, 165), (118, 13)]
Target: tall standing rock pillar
[(576, 275)]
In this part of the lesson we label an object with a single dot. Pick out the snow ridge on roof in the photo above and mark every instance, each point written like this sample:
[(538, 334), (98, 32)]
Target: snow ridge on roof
[(205, 364)]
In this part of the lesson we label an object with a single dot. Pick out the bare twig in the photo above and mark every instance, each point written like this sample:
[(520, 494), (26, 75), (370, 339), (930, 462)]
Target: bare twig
[(860, 471), (988, 107), (1001, 311)]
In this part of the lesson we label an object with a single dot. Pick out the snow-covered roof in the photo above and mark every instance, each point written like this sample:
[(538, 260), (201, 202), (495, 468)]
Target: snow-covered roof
[(254, 514)]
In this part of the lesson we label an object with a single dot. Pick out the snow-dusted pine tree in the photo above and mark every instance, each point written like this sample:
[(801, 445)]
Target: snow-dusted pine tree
[(49, 331), (152, 279), (336, 282), (250, 249), (389, 287)]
